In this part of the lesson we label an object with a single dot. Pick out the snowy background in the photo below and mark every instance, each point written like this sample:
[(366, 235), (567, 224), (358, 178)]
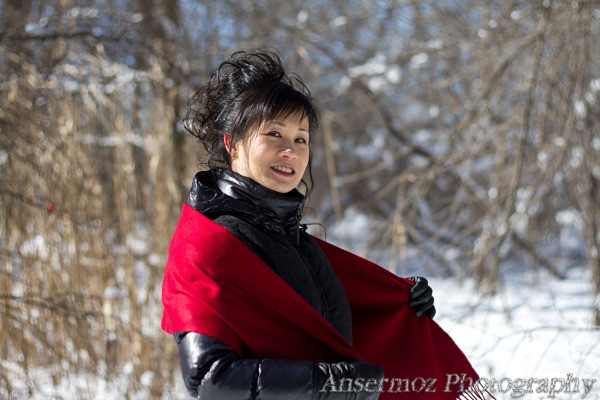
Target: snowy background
[(540, 330), (460, 140)]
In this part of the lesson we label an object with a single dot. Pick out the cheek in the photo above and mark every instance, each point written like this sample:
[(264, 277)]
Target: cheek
[(305, 159), (260, 155), (258, 159)]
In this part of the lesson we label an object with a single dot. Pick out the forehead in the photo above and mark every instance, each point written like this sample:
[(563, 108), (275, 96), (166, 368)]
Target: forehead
[(291, 120)]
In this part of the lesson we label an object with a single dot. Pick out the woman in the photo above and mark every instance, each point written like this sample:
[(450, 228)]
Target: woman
[(253, 301)]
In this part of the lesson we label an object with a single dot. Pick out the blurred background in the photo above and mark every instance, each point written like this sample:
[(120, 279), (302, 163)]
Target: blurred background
[(460, 140)]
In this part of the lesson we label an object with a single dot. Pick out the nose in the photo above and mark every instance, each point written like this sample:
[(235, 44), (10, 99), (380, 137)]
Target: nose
[(288, 151)]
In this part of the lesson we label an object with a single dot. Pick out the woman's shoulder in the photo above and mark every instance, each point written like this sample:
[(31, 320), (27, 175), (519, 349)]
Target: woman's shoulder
[(196, 228), (236, 225), (202, 190)]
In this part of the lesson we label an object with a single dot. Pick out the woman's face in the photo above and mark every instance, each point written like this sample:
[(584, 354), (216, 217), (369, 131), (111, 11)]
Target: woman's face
[(275, 154)]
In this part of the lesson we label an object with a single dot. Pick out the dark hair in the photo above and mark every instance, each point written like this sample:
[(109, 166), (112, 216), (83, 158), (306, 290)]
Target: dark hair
[(243, 92)]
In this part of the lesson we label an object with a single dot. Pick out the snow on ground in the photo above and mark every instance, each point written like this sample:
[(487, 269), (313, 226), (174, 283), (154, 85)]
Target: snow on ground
[(528, 331)]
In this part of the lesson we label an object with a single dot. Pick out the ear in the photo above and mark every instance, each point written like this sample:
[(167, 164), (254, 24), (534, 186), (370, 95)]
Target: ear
[(232, 151), (227, 142)]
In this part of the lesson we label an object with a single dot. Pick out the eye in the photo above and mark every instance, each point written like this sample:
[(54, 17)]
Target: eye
[(274, 134), (301, 140)]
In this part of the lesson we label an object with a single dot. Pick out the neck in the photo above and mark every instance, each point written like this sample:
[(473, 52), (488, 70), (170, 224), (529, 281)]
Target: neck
[(282, 207)]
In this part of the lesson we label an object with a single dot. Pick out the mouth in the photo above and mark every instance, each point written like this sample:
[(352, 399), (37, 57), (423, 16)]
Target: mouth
[(283, 170)]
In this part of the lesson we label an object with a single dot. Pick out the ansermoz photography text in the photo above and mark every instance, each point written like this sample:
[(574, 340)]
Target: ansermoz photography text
[(515, 387)]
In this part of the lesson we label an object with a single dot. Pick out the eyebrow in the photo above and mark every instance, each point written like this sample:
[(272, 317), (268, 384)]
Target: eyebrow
[(279, 123)]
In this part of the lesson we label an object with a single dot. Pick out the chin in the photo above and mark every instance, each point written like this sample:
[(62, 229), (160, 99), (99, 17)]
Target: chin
[(281, 188)]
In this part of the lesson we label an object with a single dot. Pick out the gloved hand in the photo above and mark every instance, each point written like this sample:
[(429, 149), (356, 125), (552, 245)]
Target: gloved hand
[(421, 297)]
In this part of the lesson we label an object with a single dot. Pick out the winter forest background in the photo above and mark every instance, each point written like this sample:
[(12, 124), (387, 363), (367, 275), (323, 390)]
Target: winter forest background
[(460, 140)]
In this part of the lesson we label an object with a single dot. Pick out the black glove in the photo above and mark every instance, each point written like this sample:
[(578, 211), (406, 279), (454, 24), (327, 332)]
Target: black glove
[(421, 297)]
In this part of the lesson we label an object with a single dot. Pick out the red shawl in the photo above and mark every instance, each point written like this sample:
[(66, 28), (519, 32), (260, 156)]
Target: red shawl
[(216, 286)]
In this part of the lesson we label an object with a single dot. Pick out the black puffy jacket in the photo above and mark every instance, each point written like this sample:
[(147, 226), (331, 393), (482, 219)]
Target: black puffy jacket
[(268, 222)]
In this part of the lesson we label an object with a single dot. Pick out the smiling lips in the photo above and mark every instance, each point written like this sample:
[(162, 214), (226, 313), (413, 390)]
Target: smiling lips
[(286, 171)]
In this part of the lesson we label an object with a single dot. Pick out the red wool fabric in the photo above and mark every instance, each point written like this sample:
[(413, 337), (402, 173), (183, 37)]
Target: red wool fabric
[(216, 286)]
